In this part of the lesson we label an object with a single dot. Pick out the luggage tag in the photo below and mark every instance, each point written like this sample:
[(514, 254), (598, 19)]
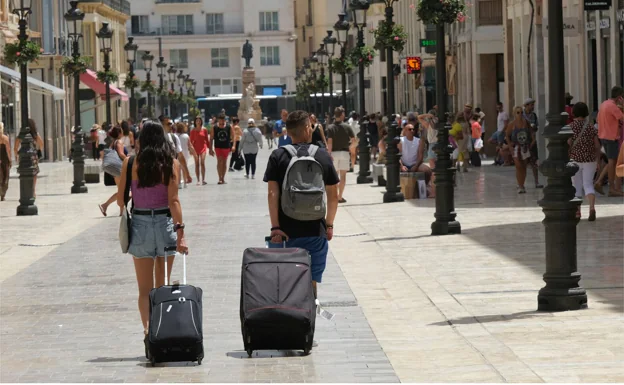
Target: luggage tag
[(322, 312)]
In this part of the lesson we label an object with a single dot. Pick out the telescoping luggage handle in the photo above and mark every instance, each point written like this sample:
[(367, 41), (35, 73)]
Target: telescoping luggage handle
[(174, 248), (267, 240)]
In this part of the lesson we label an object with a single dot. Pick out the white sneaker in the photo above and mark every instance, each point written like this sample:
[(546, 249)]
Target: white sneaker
[(247, 176), (253, 177), (180, 186)]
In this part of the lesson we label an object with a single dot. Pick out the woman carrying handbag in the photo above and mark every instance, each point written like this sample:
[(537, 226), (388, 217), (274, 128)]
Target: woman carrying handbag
[(584, 150)]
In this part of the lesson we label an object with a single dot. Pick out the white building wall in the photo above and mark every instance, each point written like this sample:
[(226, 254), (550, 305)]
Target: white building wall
[(241, 22)]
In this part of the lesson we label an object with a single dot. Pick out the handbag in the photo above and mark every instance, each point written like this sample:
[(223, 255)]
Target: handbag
[(126, 220), (111, 163)]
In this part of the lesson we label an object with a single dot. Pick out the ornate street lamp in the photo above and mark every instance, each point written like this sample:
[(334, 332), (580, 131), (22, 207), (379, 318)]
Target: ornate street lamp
[(314, 64), (181, 80), (330, 45), (393, 189), (26, 168), (342, 27), (74, 18), (131, 51), (562, 290), (445, 216), (172, 79), (161, 67), (105, 34), (359, 10), (322, 57), (148, 59)]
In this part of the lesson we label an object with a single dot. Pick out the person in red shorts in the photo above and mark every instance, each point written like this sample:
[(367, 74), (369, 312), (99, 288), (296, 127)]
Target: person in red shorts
[(221, 136), (200, 141)]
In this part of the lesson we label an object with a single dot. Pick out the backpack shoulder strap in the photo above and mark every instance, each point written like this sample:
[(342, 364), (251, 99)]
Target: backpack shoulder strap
[(291, 150), (128, 180), (312, 150)]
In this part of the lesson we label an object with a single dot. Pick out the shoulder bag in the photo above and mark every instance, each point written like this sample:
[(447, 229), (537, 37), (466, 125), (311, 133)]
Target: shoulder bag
[(125, 225), (111, 163), (578, 138)]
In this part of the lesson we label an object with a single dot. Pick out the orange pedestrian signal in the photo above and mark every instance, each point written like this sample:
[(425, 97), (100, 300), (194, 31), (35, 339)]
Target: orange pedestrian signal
[(414, 64)]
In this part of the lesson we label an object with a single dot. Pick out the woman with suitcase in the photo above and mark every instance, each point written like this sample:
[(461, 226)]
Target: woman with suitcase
[(156, 214)]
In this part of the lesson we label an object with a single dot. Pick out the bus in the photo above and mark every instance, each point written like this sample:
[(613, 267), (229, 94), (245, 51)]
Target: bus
[(271, 105)]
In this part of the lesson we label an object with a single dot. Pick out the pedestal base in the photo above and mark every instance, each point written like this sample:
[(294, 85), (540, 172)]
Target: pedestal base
[(392, 197), (27, 210), (561, 300), (79, 189), (445, 228), (364, 179)]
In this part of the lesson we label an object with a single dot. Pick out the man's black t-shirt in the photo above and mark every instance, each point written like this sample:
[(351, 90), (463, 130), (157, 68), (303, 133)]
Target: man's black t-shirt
[(276, 172)]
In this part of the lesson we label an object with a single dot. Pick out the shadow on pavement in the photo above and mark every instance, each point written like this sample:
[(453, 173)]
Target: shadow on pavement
[(266, 354), (600, 252), (116, 359), (489, 318)]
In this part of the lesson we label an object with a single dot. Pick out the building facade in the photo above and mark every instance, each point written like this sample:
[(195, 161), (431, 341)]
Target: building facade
[(204, 39), (593, 53), (51, 94)]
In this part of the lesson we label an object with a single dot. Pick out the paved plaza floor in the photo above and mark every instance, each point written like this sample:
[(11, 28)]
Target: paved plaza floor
[(409, 307)]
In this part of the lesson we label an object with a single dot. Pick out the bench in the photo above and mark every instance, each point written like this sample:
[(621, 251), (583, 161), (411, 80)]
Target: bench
[(92, 173), (379, 173)]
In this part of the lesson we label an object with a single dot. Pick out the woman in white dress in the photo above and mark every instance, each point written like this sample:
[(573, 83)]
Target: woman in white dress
[(188, 151)]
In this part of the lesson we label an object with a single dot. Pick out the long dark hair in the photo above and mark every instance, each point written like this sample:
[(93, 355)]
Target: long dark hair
[(201, 122), (33, 128), (155, 158)]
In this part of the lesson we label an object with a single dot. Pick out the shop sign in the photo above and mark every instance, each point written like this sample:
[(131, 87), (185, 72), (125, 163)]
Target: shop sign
[(620, 15), (605, 23), (590, 25), (597, 5), (570, 26)]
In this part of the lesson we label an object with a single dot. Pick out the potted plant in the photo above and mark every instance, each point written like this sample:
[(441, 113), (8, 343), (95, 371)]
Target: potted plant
[(441, 11), (75, 66), (393, 36), (148, 86), (22, 52), (132, 82), (363, 55), (104, 76), (342, 66)]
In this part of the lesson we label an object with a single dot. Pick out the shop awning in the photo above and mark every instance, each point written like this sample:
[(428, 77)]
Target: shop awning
[(90, 80), (34, 84)]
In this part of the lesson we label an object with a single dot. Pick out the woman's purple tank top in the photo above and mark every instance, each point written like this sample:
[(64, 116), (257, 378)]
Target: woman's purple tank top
[(149, 197)]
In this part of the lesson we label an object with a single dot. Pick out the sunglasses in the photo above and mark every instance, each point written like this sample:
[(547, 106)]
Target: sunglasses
[(410, 129)]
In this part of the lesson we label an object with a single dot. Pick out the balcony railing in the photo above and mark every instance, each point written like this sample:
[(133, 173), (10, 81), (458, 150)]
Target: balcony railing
[(490, 12), (159, 32), (122, 6)]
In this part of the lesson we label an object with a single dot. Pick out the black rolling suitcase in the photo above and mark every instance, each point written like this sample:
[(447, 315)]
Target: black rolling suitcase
[(175, 328), (277, 307)]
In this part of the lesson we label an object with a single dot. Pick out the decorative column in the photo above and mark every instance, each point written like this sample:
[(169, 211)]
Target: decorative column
[(562, 290), (74, 18)]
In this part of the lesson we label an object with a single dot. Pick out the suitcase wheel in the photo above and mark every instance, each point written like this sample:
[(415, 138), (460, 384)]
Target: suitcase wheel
[(249, 352), (199, 361), (306, 351), (153, 361)]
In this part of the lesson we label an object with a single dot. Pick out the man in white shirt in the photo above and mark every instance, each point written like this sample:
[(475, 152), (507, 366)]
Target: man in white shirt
[(166, 122), (412, 152)]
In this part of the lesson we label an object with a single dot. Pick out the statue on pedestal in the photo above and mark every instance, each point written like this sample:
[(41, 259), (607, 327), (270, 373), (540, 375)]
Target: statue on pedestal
[(247, 53)]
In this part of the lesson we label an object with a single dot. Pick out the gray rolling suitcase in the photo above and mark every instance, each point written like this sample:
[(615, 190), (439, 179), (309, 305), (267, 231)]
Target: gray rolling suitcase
[(277, 308)]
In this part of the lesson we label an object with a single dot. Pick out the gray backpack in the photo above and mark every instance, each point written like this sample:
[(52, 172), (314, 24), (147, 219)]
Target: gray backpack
[(303, 190)]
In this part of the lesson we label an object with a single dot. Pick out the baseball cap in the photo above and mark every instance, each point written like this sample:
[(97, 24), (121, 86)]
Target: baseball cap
[(251, 121), (529, 101)]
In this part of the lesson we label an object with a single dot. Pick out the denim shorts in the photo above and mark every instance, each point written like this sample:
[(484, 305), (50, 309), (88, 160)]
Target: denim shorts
[(316, 246), (150, 234), (611, 148)]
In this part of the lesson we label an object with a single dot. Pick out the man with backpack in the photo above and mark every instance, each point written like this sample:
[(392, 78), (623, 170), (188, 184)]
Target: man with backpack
[(299, 176)]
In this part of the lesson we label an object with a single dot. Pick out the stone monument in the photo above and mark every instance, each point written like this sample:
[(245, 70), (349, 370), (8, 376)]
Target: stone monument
[(249, 106)]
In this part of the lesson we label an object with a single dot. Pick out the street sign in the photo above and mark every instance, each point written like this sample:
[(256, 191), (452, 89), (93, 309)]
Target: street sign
[(428, 42), (414, 64), (597, 5)]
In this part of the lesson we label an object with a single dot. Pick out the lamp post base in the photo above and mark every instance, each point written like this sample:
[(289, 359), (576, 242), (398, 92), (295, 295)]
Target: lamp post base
[(24, 210), (561, 299), (445, 228), (79, 190), (392, 197), (361, 179)]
